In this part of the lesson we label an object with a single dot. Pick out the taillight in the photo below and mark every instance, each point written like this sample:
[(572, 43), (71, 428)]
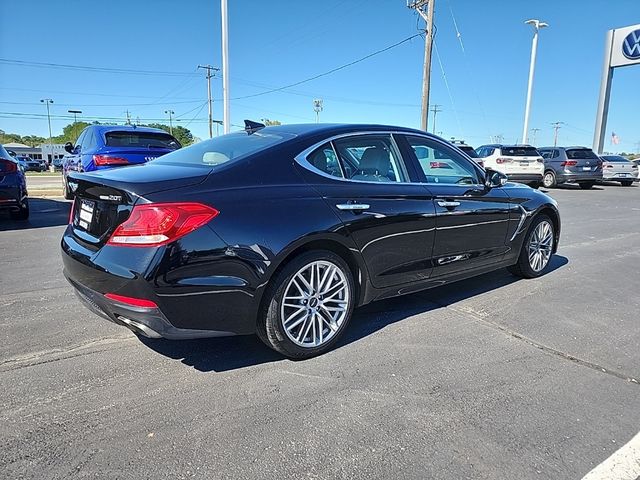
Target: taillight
[(134, 302), (438, 165), (154, 224), (569, 163), (540, 160), (503, 160), (609, 166), (7, 166), (634, 166), (101, 160), (73, 206)]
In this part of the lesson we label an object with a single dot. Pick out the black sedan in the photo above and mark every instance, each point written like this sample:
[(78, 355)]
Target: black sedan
[(282, 231), (13, 187)]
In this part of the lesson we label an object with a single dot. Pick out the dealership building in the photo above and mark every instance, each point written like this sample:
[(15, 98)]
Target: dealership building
[(48, 151)]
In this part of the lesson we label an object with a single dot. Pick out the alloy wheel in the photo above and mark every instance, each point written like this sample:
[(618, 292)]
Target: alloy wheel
[(315, 304), (548, 180), (540, 246)]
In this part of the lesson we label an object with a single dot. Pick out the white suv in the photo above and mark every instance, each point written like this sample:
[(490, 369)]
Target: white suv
[(521, 163)]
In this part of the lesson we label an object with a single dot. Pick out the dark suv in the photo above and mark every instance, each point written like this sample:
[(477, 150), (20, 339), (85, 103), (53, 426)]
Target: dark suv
[(570, 165)]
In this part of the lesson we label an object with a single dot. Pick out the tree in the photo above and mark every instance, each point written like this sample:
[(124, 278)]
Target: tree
[(182, 134), (268, 122), (33, 140)]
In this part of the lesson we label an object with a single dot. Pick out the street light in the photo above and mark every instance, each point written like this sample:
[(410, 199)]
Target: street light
[(75, 113), (537, 25), (170, 112), (47, 101), (317, 107)]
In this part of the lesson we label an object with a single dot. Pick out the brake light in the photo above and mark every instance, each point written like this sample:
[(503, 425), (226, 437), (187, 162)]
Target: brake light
[(503, 160), (8, 166), (634, 166), (101, 160), (134, 302), (73, 206), (569, 163), (154, 224)]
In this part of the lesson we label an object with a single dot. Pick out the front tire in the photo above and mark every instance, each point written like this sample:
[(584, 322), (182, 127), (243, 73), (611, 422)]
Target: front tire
[(549, 179), (308, 305), (586, 185), (536, 250)]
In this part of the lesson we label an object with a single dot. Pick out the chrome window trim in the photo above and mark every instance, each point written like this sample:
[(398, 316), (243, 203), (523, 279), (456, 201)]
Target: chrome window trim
[(301, 158)]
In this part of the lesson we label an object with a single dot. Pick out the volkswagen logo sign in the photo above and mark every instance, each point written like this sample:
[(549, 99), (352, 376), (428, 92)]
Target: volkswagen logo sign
[(631, 45)]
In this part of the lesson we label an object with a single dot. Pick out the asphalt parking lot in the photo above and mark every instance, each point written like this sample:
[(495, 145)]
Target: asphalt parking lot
[(492, 377)]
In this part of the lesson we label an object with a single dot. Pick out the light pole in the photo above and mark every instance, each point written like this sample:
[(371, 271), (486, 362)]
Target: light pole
[(170, 112), (48, 101), (226, 116), (75, 114), (317, 107), (537, 25)]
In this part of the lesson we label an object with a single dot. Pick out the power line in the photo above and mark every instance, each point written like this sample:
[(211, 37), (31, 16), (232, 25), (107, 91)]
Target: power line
[(556, 126), (88, 68)]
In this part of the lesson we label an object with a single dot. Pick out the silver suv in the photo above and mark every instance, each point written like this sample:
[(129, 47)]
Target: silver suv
[(570, 165)]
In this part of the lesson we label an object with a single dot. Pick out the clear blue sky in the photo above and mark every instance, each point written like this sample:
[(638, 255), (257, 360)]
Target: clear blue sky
[(275, 43)]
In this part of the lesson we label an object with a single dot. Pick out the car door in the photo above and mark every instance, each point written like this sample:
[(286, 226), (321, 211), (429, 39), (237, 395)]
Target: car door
[(472, 220), (391, 220)]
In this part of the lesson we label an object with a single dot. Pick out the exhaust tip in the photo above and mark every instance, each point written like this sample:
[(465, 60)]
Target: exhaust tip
[(139, 328)]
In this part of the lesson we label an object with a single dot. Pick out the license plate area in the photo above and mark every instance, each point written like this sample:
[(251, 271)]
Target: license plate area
[(85, 214), (586, 169), (524, 164)]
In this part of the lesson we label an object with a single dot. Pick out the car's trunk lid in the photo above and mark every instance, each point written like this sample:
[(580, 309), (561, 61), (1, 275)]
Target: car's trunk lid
[(581, 160), (104, 199)]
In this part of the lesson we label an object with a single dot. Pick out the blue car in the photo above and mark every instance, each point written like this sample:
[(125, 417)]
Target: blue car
[(107, 146), (13, 187)]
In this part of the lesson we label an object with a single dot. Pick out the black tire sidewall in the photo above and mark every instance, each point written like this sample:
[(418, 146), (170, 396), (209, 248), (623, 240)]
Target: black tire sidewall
[(271, 329)]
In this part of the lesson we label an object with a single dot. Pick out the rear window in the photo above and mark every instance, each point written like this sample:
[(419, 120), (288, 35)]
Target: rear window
[(615, 159), (580, 153), (468, 150), (520, 152), (223, 149), (141, 139)]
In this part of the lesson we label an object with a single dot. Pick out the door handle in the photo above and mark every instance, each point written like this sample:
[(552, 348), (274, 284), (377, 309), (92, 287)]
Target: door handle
[(448, 204), (352, 206)]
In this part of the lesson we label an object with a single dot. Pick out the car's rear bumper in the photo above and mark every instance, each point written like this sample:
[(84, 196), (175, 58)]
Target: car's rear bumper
[(11, 197), (619, 177), (567, 177), (525, 177), (147, 321)]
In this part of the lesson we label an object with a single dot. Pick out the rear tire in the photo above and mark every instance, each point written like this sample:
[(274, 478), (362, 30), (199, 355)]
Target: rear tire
[(537, 247), (22, 213), (535, 185), (549, 179), (626, 183), (586, 185), (316, 317)]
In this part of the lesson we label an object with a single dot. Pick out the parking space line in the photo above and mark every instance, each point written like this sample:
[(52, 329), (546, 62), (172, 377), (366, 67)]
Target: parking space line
[(624, 464)]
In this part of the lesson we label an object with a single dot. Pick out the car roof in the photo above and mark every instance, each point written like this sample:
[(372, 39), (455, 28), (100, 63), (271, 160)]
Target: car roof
[(575, 147), (126, 128), (309, 129)]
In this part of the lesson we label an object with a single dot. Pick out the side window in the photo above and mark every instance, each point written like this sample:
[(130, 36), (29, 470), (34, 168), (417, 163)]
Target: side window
[(370, 158), (545, 153), (80, 140), (480, 152), (325, 160), (556, 154), (442, 164), (89, 140)]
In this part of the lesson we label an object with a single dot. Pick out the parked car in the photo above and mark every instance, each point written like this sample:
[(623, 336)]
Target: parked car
[(521, 163), (282, 231), (101, 147), (469, 150), (13, 187), (571, 165), (57, 164), (616, 168), (28, 164)]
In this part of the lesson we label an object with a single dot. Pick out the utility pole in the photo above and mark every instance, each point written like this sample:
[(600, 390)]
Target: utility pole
[(425, 9), (170, 112), (128, 117), (48, 101), (75, 114), (226, 117), (556, 126), (435, 109), (537, 25), (210, 75), (317, 107), (535, 133)]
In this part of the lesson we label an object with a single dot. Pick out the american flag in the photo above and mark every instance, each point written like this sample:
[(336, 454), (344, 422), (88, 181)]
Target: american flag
[(615, 139)]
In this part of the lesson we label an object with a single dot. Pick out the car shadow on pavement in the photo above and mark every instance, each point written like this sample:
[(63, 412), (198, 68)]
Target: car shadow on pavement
[(230, 353), (44, 212)]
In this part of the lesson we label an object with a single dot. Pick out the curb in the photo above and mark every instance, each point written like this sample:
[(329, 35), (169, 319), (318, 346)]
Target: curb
[(49, 192)]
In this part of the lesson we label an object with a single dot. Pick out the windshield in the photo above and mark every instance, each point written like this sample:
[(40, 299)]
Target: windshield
[(223, 149), (520, 152), (469, 150), (141, 139), (581, 153)]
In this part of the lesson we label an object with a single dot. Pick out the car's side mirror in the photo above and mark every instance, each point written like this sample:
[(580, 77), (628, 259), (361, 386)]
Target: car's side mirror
[(494, 179), (68, 147)]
